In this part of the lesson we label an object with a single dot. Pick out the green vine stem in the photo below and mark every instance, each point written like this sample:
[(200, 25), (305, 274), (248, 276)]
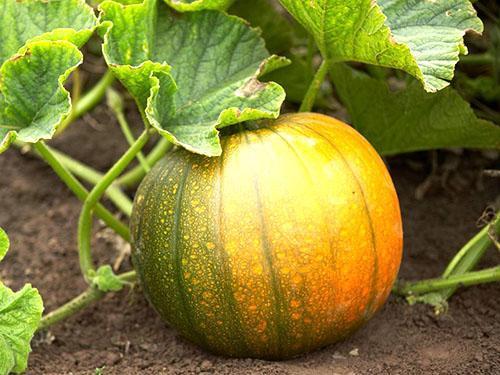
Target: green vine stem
[(312, 91), (470, 255), (79, 190), (85, 222), (80, 302), (452, 282), (115, 103), (76, 89), (90, 175), (89, 100), (135, 175), (458, 271), (478, 244), (87, 174)]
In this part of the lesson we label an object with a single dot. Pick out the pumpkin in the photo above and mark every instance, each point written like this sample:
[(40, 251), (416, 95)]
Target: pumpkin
[(288, 242)]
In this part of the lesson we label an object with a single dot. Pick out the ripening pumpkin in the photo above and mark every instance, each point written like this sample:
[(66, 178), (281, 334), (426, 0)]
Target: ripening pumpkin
[(288, 242)]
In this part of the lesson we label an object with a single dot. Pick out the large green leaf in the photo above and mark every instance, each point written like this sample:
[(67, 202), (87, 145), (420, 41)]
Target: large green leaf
[(422, 37), (33, 101), (191, 73), (410, 119), (193, 5), (4, 244), (20, 314), (23, 21)]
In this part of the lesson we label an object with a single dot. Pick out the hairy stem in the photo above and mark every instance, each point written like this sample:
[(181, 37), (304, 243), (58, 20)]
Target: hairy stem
[(312, 91), (79, 190), (85, 222), (78, 303)]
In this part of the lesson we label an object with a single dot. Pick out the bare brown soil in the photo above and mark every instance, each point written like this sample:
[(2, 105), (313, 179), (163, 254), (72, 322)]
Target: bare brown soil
[(123, 334)]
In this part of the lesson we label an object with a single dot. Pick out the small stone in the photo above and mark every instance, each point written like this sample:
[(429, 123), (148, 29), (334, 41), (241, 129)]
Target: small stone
[(354, 352), (206, 365)]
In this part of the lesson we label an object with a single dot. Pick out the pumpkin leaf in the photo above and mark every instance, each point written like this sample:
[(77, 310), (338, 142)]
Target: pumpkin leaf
[(410, 119), (4, 244), (106, 280), (190, 73), (24, 21), (37, 53), (33, 101), (194, 5), (20, 315), (423, 38)]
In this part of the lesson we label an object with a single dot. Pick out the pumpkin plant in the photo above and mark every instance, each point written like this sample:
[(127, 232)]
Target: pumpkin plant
[(254, 234)]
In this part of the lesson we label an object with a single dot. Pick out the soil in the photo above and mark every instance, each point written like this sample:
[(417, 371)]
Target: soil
[(125, 336)]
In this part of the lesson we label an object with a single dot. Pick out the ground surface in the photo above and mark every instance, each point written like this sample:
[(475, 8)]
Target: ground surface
[(123, 334)]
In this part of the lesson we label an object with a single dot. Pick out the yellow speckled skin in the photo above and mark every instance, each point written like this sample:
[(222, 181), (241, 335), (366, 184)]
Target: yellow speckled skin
[(288, 242)]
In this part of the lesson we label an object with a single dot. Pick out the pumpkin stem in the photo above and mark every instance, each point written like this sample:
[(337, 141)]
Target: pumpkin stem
[(312, 92)]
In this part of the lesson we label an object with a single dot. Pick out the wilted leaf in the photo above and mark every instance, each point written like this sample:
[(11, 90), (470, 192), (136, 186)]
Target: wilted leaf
[(422, 37), (191, 73), (410, 119)]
